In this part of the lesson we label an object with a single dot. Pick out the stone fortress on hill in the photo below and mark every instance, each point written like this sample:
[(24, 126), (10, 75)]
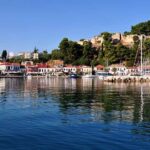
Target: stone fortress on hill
[(126, 40)]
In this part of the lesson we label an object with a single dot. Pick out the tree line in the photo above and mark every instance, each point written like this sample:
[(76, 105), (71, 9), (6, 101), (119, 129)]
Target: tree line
[(110, 52)]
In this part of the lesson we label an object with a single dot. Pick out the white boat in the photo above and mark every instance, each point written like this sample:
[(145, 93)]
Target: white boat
[(29, 76), (89, 76), (103, 75)]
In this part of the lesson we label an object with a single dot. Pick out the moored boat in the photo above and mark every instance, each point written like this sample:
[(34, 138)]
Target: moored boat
[(103, 75), (74, 75), (89, 76)]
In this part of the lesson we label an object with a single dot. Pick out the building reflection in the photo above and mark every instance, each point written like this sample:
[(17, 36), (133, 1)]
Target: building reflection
[(2, 85), (102, 101)]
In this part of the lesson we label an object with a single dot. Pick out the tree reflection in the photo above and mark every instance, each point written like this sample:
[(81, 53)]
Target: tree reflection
[(101, 101)]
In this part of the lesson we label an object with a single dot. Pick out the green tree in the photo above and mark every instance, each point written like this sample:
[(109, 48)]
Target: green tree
[(16, 59), (71, 51), (75, 51), (64, 45), (35, 50), (44, 56), (141, 28), (147, 44), (146, 48), (108, 48), (90, 53), (56, 54), (107, 36), (122, 53), (4, 55)]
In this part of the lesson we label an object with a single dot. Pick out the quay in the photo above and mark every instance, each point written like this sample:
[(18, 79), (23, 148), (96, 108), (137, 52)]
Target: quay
[(126, 79)]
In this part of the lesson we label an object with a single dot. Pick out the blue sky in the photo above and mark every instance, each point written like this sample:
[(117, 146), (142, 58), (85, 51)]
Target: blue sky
[(25, 24)]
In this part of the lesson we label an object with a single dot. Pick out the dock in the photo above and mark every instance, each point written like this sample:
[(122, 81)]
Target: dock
[(126, 79)]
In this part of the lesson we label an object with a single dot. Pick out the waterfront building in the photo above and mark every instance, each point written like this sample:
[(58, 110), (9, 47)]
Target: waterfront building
[(118, 69), (31, 69), (146, 69), (70, 69), (27, 63), (45, 70), (99, 68), (9, 67), (133, 70), (86, 69)]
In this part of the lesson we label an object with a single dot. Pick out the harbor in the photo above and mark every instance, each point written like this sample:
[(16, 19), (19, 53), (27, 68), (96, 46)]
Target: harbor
[(74, 75)]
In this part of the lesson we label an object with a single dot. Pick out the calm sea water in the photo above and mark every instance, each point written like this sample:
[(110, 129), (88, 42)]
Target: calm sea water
[(66, 114)]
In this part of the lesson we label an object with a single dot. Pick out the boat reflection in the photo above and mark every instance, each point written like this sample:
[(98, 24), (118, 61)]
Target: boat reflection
[(103, 101)]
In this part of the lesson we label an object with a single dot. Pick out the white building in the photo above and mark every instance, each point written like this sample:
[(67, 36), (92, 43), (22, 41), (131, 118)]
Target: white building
[(118, 69), (9, 67), (45, 70), (70, 69), (27, 55), (86, 69), (35, 55)]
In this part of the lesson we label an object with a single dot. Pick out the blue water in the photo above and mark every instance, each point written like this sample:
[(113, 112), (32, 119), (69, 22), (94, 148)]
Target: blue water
[(73, 114)]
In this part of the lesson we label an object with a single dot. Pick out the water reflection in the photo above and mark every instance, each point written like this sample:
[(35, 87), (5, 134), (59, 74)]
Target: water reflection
[(142, 104), (104, 101), (68, 109)]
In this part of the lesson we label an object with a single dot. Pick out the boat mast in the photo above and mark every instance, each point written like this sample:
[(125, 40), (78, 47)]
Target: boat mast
[(141, 54)]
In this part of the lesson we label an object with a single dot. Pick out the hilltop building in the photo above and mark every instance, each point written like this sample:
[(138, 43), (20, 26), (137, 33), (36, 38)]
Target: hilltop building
[(126, 40), (28, 55), (35, 55)]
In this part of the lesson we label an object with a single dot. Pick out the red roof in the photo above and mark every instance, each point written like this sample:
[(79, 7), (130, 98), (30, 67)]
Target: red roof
[(10, 64), (42, 65), (69, 66), (78, 67), (100, 66), (134, 67), (146, 67)]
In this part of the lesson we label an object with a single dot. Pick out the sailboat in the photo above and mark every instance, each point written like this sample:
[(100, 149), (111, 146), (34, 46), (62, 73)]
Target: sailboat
[(141, 71), (140, 55)]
